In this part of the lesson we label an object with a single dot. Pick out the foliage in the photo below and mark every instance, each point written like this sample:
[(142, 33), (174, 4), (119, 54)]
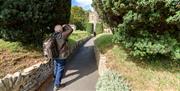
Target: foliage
[(11, 46), (89, 27), (28, 20), (146, 27), (77, 35), (78, 17), (111, 81), (99, 28), (103, 41)]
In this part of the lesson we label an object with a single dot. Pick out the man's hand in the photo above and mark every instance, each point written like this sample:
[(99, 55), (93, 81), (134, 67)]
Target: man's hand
[(67, 30)]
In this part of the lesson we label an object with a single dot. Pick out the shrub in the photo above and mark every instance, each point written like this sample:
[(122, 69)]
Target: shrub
[(99, 28), (28, 20), (111, 81), (146, 27), (103, 41), (89, 27)]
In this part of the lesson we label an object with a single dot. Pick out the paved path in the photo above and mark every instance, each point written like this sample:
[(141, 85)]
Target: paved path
[(81, 74)]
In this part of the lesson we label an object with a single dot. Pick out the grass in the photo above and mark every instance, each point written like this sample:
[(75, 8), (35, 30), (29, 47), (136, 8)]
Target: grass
[(11, 46), (154, 75), (77, 35), (160, 74), (103, 41)]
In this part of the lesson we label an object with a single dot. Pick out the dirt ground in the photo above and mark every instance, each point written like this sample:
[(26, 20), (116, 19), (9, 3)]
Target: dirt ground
[(17, 61)]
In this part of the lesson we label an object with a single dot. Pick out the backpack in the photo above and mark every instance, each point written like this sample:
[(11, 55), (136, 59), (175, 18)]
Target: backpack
[(50, 49)]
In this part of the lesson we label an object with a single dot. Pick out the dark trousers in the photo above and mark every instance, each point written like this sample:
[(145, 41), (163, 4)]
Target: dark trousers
[(59, 65)]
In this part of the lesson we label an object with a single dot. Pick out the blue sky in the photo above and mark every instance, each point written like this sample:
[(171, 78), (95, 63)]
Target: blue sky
[(86, 4)]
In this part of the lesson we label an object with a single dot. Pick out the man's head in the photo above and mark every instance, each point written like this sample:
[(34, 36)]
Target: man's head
[(58, 28)]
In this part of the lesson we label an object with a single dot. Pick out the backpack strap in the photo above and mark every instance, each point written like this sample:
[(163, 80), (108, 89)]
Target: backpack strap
[(55, 35)]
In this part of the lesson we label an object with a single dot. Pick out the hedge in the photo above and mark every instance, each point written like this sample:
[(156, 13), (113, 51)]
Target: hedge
[(148, 28), (89, 27), (99, 28), (29, 20)]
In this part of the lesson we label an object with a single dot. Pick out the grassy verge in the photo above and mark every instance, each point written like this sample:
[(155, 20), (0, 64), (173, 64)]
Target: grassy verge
[(154, 75), (143, 75), (110, 80), (103, 42), (77, 35)]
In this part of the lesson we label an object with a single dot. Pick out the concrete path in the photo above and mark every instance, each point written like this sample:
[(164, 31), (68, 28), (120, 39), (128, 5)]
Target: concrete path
[(81, 73)]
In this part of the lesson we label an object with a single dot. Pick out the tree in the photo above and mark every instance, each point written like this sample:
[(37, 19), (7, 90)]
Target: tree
[(146, 27), (29, 20), (79, 17)]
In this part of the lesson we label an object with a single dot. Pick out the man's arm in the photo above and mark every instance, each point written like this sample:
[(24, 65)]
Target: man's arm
[(67, 31)]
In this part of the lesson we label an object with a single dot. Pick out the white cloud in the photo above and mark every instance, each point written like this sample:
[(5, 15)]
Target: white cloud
[(86, 4)]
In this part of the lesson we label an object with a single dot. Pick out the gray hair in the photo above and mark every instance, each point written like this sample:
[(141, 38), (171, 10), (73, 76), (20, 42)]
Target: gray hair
[(58, 28)]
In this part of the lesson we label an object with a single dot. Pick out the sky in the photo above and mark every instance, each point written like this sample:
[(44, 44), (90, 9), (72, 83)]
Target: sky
[(85, 4)]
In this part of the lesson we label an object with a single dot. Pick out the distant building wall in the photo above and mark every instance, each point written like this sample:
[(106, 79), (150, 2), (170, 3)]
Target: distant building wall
[(93, 18)]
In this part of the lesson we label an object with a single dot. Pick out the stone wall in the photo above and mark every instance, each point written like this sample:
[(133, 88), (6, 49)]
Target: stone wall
[(101, 61), (31, 78), (27, 80)]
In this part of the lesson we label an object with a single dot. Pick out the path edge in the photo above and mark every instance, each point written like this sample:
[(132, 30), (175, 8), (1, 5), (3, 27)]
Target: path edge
[(31, 78)]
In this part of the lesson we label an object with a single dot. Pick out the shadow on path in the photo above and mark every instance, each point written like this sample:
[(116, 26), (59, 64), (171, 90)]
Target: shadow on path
[(81, 71)]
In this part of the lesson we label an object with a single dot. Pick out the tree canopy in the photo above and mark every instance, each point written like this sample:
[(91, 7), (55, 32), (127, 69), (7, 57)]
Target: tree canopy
[(79, 17)]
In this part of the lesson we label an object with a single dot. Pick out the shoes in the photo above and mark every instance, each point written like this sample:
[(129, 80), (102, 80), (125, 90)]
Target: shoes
[(56, 88)]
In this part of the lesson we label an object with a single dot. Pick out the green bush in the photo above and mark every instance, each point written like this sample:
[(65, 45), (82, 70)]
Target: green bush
[(28, 20), (99, 28), (146, 27), (89, 27), (103, 41), (111, 81)]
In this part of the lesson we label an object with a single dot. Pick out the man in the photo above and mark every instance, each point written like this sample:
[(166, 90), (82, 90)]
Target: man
[(61, 35)]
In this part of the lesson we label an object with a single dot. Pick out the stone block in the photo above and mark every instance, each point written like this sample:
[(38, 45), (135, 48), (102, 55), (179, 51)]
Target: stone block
[(2, 86), (7, 80), (15, 76), (19, 79)]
